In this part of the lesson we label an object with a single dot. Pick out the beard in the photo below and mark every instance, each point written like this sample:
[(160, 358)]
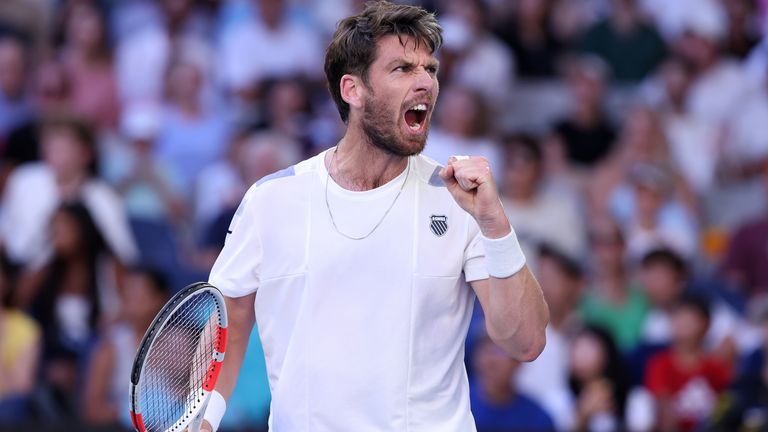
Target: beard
[(384, 133)]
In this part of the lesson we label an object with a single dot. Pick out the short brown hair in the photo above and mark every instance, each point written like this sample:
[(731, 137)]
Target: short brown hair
[(353, 47)]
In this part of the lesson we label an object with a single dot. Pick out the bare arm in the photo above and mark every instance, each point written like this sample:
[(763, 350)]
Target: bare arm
[(20, 378), (515, 311), (241, 317)]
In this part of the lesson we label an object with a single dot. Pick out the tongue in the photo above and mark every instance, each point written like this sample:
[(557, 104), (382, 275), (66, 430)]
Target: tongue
[(411, 118)]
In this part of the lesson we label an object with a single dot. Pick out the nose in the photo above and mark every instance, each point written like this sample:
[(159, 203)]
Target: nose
[(425, 81)]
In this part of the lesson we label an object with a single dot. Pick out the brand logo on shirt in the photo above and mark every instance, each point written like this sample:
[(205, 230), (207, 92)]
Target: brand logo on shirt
[(438, 224)]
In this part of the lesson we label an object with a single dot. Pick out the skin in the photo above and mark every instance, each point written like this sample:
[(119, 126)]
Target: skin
[(402, 75)]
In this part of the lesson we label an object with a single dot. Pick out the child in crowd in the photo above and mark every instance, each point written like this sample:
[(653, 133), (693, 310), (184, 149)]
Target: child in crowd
[(685, 380)]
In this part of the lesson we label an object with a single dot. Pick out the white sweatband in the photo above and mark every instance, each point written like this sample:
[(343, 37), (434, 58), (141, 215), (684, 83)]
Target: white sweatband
[(503, 256), (217, 405), (460, 157)]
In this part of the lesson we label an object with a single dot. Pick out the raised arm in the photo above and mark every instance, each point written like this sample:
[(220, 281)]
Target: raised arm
[(241, 317), (515, 311)]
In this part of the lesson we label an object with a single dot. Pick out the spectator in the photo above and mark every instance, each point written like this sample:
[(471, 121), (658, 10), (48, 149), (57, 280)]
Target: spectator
[(20, 345), (287, 110), (285, 48), (546, 379), (719, 83), (685, 380), (744, 263), (470, 47), (614, 301), (461, 129), (151, 34), (15, 103), (598, 379), (622, 32), (50, 97), (528, 32), (105, 399), (66, 299), (150, 188), (749, 406), (650, 215), (86, 55), (193, 135), (496, 404), (686, 134), (585, 136), (222, 185), (67, 173), (665, 278), (743, 27), (538, 214)]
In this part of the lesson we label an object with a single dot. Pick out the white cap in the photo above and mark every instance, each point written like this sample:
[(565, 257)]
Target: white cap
[(141, 120), (456, 33), (706, 20)]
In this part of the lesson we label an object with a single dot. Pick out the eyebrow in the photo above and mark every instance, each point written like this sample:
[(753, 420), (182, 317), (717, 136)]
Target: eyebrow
[(434, 62)]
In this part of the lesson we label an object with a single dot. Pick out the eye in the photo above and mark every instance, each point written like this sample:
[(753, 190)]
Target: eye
[(432, 69), (402, 68)]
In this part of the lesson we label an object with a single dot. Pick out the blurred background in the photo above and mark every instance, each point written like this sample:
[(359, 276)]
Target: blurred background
[(629, 139)]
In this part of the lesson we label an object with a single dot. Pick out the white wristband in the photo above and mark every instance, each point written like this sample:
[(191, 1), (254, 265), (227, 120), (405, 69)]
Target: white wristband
[(503, 256), (217, 405)]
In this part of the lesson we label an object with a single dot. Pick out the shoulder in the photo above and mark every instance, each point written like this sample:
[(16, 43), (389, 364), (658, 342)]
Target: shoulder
[(286, 182), (34, 172)]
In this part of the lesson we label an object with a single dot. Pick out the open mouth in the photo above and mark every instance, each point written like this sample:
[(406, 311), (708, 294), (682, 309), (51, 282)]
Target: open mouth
[(415, 116)]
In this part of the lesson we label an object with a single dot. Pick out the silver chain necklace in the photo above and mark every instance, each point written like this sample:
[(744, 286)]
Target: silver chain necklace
[(328, 206)]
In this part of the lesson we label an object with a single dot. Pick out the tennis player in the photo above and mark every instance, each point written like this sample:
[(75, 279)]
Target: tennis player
[(353, 262)]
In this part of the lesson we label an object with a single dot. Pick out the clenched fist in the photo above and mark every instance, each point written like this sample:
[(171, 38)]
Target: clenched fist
[(470, 182)]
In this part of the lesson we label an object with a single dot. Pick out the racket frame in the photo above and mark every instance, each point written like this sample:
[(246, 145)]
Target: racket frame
[(194, 417)]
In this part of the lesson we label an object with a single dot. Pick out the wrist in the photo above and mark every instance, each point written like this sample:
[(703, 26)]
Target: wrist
[(494, 226), (503, 255), (214, 412)]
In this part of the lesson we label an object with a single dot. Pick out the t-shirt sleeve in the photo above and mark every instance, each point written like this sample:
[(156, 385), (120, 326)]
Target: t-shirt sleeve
[(474, 254), (236, 270)]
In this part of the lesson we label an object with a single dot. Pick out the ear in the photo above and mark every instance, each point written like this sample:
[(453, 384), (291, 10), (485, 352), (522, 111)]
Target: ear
[(352, 90)]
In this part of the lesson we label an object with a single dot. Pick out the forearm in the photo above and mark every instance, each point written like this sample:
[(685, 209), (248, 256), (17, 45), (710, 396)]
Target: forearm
[(516, 314), (241, 320)]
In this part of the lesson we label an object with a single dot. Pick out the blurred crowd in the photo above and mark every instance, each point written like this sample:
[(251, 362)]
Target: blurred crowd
[(629, 139)]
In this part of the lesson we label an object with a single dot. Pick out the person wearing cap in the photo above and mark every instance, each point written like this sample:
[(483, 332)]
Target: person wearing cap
[(649, 216), (150, 188)]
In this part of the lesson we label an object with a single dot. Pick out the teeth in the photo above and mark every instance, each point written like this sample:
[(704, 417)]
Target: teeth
[(419, 107)]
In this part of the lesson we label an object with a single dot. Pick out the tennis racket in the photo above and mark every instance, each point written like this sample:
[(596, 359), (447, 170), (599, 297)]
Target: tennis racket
[(178, 361)]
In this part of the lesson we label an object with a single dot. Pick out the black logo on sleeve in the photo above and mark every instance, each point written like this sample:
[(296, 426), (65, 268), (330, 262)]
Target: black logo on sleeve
[(438, 224)]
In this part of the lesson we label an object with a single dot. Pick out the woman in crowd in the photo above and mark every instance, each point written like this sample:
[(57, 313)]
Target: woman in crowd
[(598, 380)]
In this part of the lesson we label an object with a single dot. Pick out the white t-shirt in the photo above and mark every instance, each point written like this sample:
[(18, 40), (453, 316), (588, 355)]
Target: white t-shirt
[(358, 335)]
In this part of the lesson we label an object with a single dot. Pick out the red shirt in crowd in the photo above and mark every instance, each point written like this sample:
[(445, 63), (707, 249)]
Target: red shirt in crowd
[(693, 389)]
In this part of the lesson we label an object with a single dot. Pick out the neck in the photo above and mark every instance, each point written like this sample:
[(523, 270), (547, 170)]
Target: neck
[(611, 284), (69, 185), (687, 353), (359, 165)]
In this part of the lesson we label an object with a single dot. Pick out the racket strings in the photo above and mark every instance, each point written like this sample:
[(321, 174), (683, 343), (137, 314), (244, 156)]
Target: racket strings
[(177, 363)]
